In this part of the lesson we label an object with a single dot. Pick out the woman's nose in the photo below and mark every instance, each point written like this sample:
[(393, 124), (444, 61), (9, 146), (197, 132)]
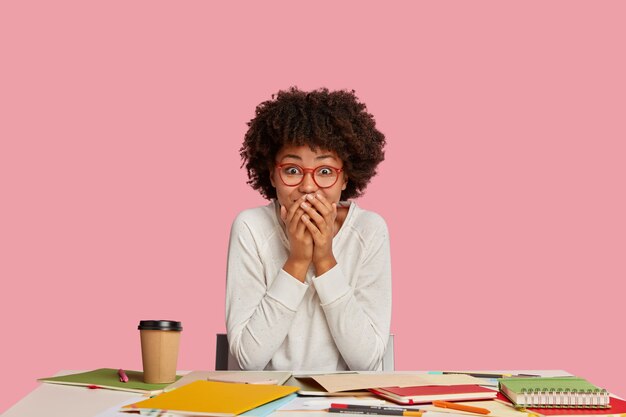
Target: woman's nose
[(308, 185)]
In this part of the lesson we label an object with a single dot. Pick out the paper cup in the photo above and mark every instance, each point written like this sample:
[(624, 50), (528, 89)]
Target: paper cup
[(159, 350)]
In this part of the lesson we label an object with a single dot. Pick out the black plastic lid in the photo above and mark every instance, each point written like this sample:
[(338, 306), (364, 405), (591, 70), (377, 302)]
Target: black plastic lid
[(160, 325)]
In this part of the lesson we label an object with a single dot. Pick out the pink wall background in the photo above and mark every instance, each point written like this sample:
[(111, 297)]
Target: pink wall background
[(503, 185)]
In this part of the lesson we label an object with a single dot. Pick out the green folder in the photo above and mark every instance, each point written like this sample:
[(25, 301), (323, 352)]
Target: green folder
[(109, 379)]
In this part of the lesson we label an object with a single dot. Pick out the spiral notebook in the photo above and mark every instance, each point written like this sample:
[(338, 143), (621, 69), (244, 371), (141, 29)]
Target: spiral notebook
[(617, 409), (554, 392)]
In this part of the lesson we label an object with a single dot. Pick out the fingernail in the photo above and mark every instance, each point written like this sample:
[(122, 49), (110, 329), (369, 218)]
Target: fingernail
[(304, 205), (319, 194), (310, 196)]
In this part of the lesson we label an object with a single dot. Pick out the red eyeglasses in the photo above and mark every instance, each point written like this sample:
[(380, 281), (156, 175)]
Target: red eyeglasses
[(324, 176)]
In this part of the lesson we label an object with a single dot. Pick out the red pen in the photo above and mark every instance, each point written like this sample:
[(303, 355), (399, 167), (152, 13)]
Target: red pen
[(123, 376)]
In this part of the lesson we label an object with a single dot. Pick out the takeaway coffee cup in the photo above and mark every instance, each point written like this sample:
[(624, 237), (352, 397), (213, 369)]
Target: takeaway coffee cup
[(159, 350)]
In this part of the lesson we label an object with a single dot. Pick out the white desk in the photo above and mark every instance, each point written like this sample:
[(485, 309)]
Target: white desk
[(53, 400)]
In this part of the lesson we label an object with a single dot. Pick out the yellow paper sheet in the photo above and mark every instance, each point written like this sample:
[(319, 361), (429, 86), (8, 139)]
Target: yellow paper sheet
[(214, 398)]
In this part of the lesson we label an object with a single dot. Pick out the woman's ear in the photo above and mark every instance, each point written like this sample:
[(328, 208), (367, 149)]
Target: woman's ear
[(345, 183), (272, 170)]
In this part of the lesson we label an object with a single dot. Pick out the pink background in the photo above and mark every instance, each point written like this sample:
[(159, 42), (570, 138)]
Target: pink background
[(503, 184)]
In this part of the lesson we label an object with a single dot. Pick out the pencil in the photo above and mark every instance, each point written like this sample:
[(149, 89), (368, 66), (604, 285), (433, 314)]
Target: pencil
[(488, 375), (477, 375), (461, 407)]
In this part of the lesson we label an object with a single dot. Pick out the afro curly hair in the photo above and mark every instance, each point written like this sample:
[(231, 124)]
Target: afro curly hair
[(321, 119)]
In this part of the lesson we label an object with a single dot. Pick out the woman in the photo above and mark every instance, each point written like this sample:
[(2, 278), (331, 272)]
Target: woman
[(309, 275)]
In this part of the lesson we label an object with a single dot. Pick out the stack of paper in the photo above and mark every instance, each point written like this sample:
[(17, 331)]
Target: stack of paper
[(248, 377), (333, 383)]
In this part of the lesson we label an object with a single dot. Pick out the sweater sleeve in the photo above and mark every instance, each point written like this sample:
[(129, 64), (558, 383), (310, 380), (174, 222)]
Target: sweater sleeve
[(359, 317), (258, 314)]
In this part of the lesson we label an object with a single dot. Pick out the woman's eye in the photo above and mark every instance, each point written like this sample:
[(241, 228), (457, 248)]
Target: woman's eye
[(325, 171), (292, 170)]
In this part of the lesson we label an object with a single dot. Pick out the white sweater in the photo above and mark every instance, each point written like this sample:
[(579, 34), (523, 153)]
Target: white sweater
[(339, 320)]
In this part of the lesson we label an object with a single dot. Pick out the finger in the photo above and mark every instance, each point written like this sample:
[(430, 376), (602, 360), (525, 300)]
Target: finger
[(283, 213), (293, 223), (325, 208), (320, 203), (320, 208), (311, 227), (302, 231), (313, 213), (301, 225), (293, 209)]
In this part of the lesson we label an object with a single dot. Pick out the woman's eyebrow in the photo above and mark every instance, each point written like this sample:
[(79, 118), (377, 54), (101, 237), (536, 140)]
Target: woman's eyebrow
[(293, 156)]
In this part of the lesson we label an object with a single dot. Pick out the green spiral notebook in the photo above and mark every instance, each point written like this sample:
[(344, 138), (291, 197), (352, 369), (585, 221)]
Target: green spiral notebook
[(554, 392)]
